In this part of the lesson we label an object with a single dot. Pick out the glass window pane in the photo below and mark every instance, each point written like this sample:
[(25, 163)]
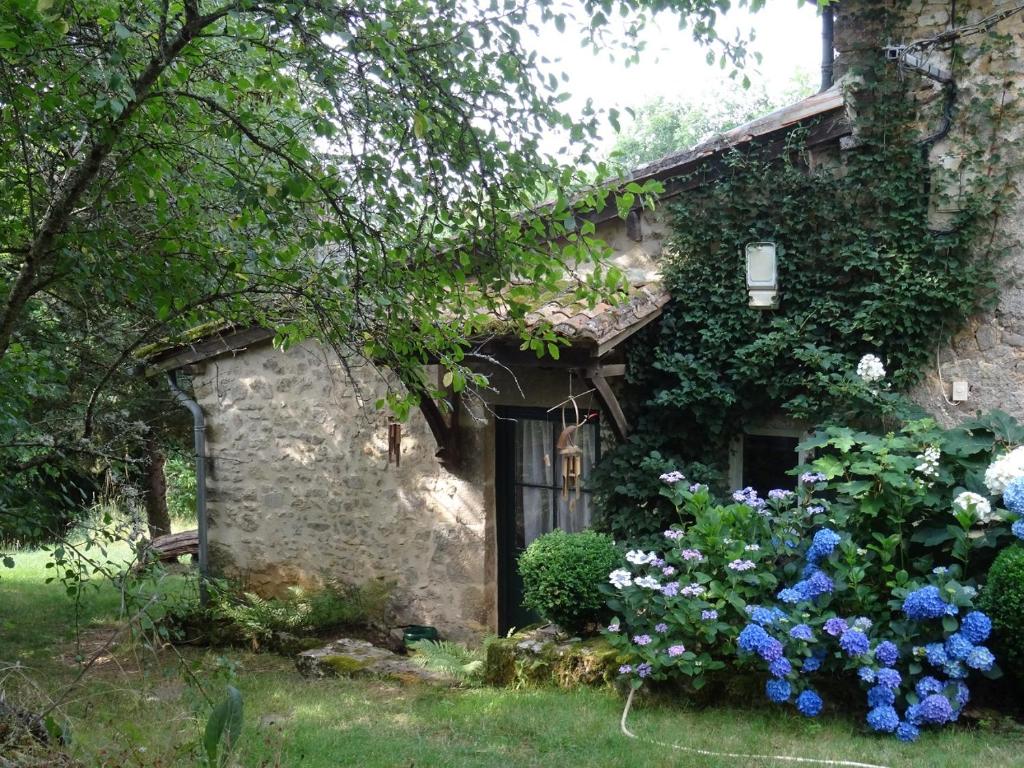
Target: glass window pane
[(574, 514), (533, 514)]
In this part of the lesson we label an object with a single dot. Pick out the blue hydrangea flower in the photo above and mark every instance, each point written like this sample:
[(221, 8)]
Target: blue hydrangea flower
[(790, 595), (880, 696), (809, 703), (802, 632), (926, 603), (822, 545), (818, 584), (883, 719), (887, 653), (913, 714), (867, 674), (809, 570), (778, 690), (980, 658), (643, 670), (1018, 528), (936, 654), (890, 678), (759, 615), (976, 627), (963, 694), (854, 642), (780, 667), (954, 670), (926, 686), (1013, 496), (812, 664), (936, 709), (752, 638), (907, 732), (835, 626), (770, 650), (958, 647), (863, 623)]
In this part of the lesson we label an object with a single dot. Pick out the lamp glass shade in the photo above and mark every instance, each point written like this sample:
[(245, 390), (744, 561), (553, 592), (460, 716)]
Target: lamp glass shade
[(761, 266)]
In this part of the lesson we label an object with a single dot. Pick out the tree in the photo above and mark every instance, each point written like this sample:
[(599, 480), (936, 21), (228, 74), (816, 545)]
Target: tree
[(352, 172), (661, 127)]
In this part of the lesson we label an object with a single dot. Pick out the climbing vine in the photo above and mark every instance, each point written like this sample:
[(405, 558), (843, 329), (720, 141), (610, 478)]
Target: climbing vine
[(864, 266)]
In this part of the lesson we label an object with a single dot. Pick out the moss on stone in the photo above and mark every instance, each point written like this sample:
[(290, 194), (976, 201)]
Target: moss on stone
[(591, 662), (343, 665), (500, 662)]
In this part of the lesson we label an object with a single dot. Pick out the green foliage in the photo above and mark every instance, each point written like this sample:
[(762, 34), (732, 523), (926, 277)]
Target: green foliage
[(628, 492), (223, 729), (879, 488), (449, 658), (661, 128), (41, 508), (860, 269), (181, 487), (269, 623), (561, 573), (1003, 601)]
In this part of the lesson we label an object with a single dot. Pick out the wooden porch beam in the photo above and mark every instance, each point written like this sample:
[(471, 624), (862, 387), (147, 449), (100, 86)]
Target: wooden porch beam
[(445, 431), (597, 380)]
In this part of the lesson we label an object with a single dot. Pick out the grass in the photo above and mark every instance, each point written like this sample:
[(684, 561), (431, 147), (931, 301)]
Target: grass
[(133, 709)]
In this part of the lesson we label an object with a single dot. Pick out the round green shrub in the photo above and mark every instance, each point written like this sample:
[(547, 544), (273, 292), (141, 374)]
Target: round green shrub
[(562, 573), (1003, 600)]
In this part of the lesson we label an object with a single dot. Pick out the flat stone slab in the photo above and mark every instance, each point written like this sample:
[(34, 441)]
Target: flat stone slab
[(347, 657)]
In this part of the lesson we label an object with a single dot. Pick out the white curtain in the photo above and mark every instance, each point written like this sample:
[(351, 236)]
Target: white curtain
[(534, 439)]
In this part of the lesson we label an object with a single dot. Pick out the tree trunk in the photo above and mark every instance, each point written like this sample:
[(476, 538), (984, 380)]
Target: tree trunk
[(155, 493)]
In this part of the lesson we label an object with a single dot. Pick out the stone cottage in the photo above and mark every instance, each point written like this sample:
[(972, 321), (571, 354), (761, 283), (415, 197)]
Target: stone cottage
[(300, 486)]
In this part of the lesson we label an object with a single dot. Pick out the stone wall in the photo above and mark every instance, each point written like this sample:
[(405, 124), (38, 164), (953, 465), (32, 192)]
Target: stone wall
[(300, 489), (989, 353)]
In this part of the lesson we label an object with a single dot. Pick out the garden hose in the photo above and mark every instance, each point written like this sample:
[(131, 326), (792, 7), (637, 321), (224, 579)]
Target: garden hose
[(707, 753)]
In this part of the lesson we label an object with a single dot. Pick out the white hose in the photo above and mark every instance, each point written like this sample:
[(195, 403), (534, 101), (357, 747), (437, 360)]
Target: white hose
[(693, 750)]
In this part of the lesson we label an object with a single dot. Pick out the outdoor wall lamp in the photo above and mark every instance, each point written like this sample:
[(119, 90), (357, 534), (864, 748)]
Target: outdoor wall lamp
[(762, 277)]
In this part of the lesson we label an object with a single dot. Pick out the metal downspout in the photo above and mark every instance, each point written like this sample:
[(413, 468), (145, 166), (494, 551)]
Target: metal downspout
[(199, 423), (828, 21)]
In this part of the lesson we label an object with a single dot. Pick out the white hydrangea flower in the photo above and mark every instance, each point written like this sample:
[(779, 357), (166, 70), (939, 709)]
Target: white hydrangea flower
[(870, 369), (620, 578), (639, 557), (648, 582), (1004, 471), (981, 507)]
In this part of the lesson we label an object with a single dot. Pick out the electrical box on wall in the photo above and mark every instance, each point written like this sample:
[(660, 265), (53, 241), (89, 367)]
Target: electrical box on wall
[(961, 390)]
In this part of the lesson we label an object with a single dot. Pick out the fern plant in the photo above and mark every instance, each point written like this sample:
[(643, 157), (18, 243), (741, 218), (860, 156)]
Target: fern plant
[(452, 659)]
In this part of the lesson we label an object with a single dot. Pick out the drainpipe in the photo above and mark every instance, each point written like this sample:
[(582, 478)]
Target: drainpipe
[(828, 21), (199, 430)]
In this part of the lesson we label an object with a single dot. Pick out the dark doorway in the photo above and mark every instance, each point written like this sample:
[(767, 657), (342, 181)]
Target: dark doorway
[(528, 493)]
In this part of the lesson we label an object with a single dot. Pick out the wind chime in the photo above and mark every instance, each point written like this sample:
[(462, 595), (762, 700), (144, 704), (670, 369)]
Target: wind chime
[(395, 442), (570, 453)]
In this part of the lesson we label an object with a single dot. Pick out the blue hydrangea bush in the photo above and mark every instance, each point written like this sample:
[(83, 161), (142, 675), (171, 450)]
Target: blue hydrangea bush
[(777, 585), (913, 661)]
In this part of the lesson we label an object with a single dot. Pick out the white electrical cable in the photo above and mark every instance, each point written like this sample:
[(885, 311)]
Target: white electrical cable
[(707, 753)]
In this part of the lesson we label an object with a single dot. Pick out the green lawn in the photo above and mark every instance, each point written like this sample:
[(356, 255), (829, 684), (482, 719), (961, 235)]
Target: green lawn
[(133, 710)]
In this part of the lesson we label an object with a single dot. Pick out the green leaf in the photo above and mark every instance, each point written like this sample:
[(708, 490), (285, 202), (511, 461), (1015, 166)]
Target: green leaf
[(223, 725)]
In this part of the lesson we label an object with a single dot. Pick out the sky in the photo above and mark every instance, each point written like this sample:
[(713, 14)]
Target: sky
[(788, 35)]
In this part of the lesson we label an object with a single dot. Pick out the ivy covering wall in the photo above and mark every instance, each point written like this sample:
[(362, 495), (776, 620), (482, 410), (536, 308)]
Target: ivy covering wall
[(862, 268)]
